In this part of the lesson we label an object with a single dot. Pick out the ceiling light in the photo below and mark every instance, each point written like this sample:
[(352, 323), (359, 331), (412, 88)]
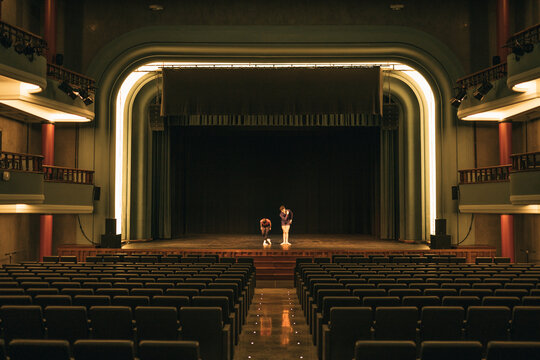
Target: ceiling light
[(461, 95), (483, 90), (156, 7)]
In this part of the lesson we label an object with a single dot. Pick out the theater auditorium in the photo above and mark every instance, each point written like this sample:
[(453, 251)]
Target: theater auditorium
[(227, 180)]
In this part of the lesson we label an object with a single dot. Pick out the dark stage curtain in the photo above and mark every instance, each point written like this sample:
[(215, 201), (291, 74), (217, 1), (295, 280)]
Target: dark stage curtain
[(225, 179), (271, 91)]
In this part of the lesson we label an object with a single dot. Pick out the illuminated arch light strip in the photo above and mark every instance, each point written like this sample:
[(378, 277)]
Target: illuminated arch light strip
[(133, 78)]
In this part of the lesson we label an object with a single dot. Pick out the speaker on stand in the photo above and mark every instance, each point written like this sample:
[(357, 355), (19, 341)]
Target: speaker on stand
[(110, 239), (440, 240)]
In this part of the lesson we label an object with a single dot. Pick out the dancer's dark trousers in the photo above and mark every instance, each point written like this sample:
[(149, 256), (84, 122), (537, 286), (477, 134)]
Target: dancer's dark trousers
[(264, 232)]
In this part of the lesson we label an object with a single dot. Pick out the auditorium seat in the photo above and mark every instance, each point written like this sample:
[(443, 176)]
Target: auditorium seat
[(189, 292), (404, 292), (41, 291), (376, 301), (420, 301), (169, 350), (513, 350), (451, 350), (346, 326), (146, 292), (131, 301), (46, 300), (103, 350), (20, 349), (22, 322), (322, 317), (111, 322), (233, 308), (156, 323), (487, 323), (509, 301), (112, 292), (463, 301), (91, 300), (396, 323), (476, 292), (511, 292), (441, 293), (442, 323), (525, 323), (204, 325), (11, 291), (530, 300), (387, 350), (66, 322)]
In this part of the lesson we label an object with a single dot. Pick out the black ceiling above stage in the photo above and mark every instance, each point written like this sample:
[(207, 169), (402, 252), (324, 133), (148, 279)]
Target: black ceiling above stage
[(270, 91)]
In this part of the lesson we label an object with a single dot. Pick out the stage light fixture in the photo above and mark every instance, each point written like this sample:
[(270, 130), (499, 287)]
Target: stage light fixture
[(460, 96), (85, 96), (65, 87), (5, 39), (483, 90), (521, 49)]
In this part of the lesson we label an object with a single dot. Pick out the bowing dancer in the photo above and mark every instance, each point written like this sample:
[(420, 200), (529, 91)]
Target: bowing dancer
[(286, 216), (266, 226)]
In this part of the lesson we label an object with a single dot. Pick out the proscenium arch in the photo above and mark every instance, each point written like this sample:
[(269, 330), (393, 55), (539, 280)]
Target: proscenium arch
[(308, 44)]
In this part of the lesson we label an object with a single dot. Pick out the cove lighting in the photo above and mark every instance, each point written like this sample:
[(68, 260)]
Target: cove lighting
[(29, 88), (135, 77), (43, 112), (505, 112), (528, 86)]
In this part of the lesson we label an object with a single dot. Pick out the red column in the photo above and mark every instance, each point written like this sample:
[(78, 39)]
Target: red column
[(50, 29), (46, 221), (505, 131)]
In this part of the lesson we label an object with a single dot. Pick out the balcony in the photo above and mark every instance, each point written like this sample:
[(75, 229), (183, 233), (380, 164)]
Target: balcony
[(27, 186), (506, 189)]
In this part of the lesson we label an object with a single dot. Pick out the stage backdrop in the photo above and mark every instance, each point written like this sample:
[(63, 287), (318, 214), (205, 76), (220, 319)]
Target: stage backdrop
[(225, 179)]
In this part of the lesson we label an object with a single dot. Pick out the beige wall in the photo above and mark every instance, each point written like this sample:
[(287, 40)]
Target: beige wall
[(65, 145), (19, 233)]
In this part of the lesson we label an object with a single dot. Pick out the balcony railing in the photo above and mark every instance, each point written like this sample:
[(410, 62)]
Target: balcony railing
[(492, 73), (74, 79), (490, 174), (24, 42), (530, 35), (21, 162), (68, 175), (526, 161)]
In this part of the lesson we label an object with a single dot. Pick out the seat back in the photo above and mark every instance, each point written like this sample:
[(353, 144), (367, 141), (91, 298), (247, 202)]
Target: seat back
[(91, 300), (111, 322), (131, 301), (66, 322), (451, 350), (174, 301), (463, 301), (22, 322), (156, 323), (329, 302), (441, 322), (513, 350), (387, 350), (39, 349), (487, 323), (376, 301), (347, 325), (169, 350), (204, 324), (103, 350), (396, 323), (509, 301), (420, 301), (526, 323), (47, 300)]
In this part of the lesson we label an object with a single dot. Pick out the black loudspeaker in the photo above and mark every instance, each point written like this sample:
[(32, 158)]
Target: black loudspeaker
[(440, 242), (111, 241), (110, 226), (440, 226), (455, 193), (59, 59), (97, 193)]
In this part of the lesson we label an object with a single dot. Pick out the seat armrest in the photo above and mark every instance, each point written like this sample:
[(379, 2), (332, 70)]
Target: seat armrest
[(325, 342)]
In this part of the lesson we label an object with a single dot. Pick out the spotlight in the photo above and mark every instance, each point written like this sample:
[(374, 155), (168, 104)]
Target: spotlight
[(5, 39), (85, 96), (483, 90), (65, 87), (461, 95), (520, 50)]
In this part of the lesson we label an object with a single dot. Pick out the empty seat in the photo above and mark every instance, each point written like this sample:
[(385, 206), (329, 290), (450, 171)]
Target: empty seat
[(463, 301), (387, 350), (131, 301), (15, 300), (46, 300), (451, 350), (174, 301), (440, 292), (22, 322), (512, 292), (441, 322), (396, 323), (476, 292), (76, 291), (156, 323), (91, 300), (112, 292), (103, 350), (487, 323), (526, 323), (420, 301), (169, 350), (513, 350), (111, 322), (346, 326), (205, 325), (530, 300), (41, 291), (66, 322), (39, 349), (376, 301), (146, 292), (509, 301)]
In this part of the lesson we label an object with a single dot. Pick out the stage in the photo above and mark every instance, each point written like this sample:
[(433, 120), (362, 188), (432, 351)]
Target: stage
[(276, 262)]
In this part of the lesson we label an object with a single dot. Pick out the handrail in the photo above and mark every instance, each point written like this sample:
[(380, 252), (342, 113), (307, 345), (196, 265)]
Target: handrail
[(491, 73), (526, 161), (73, 78), (68, 175), (12, 34), (528, 35), (489, 174), (21, 162)]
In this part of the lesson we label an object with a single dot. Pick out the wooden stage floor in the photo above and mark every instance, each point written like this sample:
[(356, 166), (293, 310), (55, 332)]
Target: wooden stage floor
[(299, 242)]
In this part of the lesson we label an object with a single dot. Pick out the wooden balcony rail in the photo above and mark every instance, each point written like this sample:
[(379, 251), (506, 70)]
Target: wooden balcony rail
[(530, 35), (68, 175), (21, 162), (22, 40), (492, 73), (485, 175), (76, 80), (526, 161)]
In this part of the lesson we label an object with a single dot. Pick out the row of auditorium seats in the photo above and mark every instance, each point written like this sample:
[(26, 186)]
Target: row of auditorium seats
[(206, 302), (149, 259), (442, 350), (346, 302), (26, 349), (402, 259)]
